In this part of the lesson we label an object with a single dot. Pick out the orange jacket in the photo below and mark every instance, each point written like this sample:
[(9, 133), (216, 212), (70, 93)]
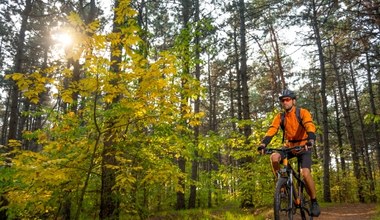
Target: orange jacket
[(295, 134)]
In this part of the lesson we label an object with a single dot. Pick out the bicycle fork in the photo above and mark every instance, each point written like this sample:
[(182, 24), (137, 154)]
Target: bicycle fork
[(294, 198), (295, 192)]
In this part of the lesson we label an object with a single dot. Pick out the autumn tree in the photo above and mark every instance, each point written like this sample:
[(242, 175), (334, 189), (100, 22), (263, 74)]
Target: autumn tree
[(129, 105)]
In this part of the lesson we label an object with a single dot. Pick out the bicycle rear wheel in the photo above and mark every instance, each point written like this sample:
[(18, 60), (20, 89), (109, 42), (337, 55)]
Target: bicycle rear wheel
[(283, 208)]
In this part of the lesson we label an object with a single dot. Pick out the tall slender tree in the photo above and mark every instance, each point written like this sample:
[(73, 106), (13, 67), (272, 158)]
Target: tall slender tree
[(18, 68), (197, 102), (326, 145), (186, 9), (365, 149), (373, 107), (243, 72)]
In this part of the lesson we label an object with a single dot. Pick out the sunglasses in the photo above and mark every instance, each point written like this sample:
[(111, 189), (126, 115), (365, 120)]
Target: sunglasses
[(286, 100)]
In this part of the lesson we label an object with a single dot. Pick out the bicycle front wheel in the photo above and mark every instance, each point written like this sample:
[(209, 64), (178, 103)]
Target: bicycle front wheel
[(283, 208), (305, 203)]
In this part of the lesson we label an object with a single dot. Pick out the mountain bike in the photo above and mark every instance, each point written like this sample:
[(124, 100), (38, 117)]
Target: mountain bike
[(290, 194)]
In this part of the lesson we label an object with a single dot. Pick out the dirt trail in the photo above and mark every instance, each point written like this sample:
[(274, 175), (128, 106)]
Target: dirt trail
[(349, 212), (357, 211)]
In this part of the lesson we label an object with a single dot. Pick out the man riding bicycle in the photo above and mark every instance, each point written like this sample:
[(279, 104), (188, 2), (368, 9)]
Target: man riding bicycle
[(299, 130)]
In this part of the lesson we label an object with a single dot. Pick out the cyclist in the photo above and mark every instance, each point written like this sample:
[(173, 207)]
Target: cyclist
[(297, 132)]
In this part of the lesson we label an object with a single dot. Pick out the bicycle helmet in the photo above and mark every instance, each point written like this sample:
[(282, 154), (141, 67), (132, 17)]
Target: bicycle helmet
[(287, 93)]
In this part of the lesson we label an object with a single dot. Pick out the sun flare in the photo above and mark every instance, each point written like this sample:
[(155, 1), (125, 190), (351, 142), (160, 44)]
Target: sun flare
[(63, 39)]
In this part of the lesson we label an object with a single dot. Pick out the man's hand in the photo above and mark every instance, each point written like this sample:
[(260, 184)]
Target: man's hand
[(261, 149), (309, 144)]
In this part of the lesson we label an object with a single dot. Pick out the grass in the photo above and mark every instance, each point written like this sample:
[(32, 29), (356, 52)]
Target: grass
[(224, 212)]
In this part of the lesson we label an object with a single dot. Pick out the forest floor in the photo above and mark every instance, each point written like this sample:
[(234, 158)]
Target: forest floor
[(329, 211), (351, 211)]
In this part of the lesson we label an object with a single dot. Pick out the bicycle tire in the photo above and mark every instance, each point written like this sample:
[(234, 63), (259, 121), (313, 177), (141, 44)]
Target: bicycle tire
[(283, 200), (305, 203)]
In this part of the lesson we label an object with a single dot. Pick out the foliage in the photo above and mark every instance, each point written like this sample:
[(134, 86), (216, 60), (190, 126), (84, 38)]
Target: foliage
[(227, 211), (134, 87), (145, 131)]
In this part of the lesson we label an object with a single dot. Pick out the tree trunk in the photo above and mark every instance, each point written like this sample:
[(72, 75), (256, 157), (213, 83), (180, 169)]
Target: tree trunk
[(14, 91), (5, 121), (340, 159), (109, 201), (109, 198), (181, 182), (243, 69), (75, 79), (14, 113), (194, 163), (238, 77), (375, 127), (348, 124), (186, 14), (231, 92), (365, 151), (326, 144), (247, 200), (280, 69), (339, 135)]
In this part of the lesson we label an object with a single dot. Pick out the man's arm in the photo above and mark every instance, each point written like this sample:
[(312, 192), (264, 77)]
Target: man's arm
[(309, 126), (272, 131)]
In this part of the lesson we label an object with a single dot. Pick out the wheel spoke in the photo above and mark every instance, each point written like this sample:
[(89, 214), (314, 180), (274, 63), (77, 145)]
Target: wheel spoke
[(282, 204)]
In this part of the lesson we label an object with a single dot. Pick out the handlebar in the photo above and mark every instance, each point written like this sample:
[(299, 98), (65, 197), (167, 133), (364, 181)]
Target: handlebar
[(286, 149)]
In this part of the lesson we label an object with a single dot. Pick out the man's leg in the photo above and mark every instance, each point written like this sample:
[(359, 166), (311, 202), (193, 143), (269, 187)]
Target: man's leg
[(310, 185), (305, 159), (275, 159)]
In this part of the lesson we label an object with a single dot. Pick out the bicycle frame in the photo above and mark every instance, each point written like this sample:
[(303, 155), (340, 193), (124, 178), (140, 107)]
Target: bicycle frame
[(288, 177)]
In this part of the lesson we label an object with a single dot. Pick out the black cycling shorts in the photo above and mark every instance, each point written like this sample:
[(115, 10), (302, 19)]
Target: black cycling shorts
[(303, 157)]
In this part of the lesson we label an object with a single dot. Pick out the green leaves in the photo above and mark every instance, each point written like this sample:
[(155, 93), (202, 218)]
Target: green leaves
[(133, 102), (370, 118)]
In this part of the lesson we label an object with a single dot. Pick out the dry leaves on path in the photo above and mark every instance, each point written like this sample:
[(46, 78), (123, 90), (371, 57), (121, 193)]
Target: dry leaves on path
[(349, 212)]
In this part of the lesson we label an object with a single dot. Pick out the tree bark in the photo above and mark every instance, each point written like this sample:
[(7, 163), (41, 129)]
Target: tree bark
[(194, 163), (348, 124), (238, 76), (278, 59), (341, 160), (365, 151), (186, 15), (243, 68), (181, 182), (373, 109), (14, 112), (109, 199), (326, 144), (14, 92)]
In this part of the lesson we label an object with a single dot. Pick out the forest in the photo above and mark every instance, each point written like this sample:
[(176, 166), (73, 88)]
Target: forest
[(127, 109)]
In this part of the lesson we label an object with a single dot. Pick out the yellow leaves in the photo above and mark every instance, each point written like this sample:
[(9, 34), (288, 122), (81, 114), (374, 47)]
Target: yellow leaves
[(15, 76), (42, 138), (194, 123), (14, 143), (71, 114), (124, 11), (35, 178), (83, 37), (140, 112), (87, 86), (32, 85), (74, 18), (67, 96)]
